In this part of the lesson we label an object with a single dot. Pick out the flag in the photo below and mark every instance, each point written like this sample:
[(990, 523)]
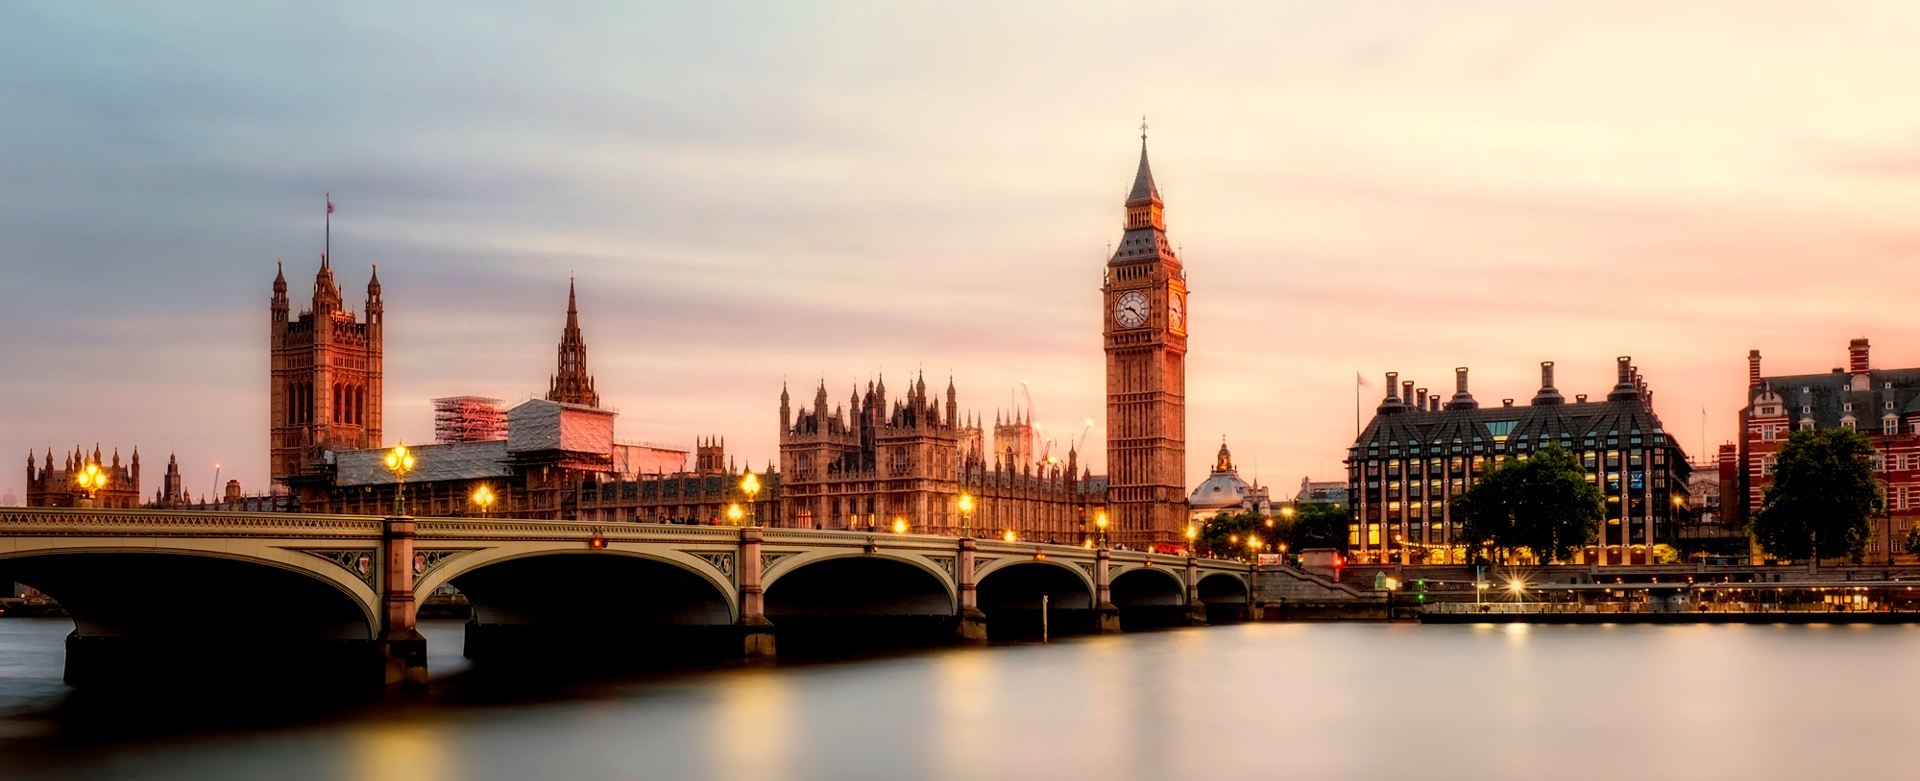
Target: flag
[(1361, 381), (329, 205)]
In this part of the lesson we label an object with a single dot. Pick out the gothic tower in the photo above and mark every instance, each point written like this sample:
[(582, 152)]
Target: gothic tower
[(326, 374), (1145, 318), (572, 384)]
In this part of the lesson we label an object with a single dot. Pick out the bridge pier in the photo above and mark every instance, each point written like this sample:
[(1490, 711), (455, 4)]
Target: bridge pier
[(1196, 609), (402, 648), (756, 630), (1106, 614), (971, 624)]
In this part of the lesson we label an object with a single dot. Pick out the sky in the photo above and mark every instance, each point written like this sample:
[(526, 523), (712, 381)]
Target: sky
[(766, 193)]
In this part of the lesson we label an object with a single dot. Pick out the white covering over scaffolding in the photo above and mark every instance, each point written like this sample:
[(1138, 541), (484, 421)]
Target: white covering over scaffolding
[(539, 425), (468, 419)]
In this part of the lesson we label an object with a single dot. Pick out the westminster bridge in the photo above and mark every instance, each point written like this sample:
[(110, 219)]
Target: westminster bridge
[(162, 595)]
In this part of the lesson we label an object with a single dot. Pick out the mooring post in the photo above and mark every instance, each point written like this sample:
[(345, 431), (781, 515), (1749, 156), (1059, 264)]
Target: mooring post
[(757, 631), (1103, 607), (401, 644), (971, 624), (1043, 618), (1196, 610)]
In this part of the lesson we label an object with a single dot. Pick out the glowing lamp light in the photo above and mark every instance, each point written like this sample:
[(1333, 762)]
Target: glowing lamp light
[(483, 496), (966, 503), (1087, 544), (597, 542), (734, 514), (1101, 520), (899, 526), (1009, 536)]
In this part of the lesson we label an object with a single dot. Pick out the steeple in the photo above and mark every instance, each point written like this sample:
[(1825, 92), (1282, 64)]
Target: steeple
[(280, 305), (374, 306), (572, 384), (1224, 461), (1143, 201)]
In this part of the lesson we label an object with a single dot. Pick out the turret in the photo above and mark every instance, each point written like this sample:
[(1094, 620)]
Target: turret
[(279, 306), (374, 306), (786, 412)]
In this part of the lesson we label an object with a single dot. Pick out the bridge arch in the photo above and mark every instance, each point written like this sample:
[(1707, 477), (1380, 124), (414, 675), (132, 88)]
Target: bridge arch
[(165, 614), (1010, 592), (1149, 597), (613, 606), (838, 600)]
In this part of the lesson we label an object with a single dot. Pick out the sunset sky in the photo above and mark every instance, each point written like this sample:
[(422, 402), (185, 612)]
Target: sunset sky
[(764, 193)]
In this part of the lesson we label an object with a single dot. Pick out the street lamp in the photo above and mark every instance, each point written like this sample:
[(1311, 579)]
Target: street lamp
[(484, 497), (1253, 549), (91, 479), (733, 513), (750, 486), (400, 462), (1192, 535), (899, 526), (1100, 521), (966, 513), (1009, 536)]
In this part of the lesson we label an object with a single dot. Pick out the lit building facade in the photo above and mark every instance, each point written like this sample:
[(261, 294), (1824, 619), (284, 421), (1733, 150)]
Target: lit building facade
[(1883, 404), (1418, 453), (875, 465)]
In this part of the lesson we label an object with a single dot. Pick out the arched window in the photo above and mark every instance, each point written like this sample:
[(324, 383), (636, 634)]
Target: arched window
[(336, 402)]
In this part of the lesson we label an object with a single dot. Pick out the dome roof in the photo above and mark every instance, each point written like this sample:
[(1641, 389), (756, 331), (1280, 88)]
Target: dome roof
[(1221, 490)]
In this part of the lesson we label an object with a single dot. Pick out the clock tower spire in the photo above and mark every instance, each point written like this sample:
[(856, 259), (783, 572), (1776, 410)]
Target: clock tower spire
[(1145, 295)]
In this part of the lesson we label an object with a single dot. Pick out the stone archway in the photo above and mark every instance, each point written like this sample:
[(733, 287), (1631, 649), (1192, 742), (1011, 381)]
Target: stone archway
[(597, 608), (1149, 597), (1010, 596), (858, 602)]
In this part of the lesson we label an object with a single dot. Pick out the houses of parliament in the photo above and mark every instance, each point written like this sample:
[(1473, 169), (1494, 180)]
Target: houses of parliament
[(881, 461)]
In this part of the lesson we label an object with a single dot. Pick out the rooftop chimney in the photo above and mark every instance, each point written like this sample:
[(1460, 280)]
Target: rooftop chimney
[(1461, 398), (1406, 392), (1420, 395), (1392, 402), (1753, 368), (1548, 394), (1626, 389), (1857, 356)]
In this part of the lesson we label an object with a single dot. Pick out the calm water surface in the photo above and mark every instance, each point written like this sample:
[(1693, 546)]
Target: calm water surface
[(1253, 701)]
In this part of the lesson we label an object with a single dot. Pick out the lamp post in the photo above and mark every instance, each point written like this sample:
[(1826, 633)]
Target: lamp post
[(1100, 522), (400, 462), (1193, 534), (750, 486), (733, 513), (90, 479), (483, 496), (966, 514), (1010, 536), (899, 525)]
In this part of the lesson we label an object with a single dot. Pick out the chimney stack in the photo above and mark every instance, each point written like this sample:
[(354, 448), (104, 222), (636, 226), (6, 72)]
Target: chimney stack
[(1857, 356), (1420, 394), (1753, 368), (1461, 398), (1406, 392), (1548, 394)]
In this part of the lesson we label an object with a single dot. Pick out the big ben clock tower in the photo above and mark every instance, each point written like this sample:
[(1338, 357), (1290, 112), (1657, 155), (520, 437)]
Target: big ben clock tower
[(1146, 342)]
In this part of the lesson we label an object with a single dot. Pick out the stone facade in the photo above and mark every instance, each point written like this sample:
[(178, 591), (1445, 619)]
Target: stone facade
[(1145, 332), (325, 380), (880, 466)]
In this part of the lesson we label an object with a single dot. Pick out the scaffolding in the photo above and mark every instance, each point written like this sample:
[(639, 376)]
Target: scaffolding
[(468, 419)]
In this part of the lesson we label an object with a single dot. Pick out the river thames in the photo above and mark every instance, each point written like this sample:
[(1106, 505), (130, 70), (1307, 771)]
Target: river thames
[(1326, 700)]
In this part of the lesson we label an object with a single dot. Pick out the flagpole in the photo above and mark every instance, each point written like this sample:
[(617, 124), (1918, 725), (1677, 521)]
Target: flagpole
[(326, 251)]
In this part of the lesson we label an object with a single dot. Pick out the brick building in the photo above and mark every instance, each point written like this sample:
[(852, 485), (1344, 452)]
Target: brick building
[(1883, 404)]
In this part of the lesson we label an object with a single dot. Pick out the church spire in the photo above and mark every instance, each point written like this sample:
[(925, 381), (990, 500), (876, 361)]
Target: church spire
[(572, 384), (1143, 191)]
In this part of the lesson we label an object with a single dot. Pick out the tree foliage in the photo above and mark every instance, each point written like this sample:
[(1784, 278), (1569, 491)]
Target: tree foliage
[(1543, 504), (1226, 535), (1822, 498), (1319, 526)]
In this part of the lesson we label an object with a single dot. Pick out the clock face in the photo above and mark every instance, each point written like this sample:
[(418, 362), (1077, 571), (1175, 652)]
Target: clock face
[(1131, 309), (1177, 312)]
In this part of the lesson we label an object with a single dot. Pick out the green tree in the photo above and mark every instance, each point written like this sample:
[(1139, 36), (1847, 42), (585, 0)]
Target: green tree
[(1318, 525), (1822, 497), (1913, 539), (1226, 535), (1541, 504)]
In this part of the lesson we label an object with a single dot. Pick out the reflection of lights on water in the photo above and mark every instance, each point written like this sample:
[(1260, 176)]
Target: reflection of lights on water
[(403, 751)]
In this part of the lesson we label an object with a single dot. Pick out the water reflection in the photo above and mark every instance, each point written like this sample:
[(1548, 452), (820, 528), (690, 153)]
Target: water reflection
[(1353, 701)]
